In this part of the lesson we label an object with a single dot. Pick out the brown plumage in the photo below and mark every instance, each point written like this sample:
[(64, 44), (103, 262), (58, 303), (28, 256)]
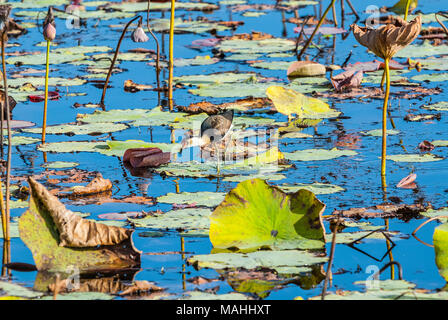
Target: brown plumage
[(12, 103), (215, 127)]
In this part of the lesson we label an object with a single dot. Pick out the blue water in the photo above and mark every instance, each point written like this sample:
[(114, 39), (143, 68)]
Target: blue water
[(359, 175)]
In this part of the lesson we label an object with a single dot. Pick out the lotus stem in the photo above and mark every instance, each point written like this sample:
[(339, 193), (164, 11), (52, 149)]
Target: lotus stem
[(315, 30), (157, 51), (390, 264), (47, 71), (2, 209), (441, 23), (386, 99), (383, 78), (407, 10), (115, 58), (171, 59), (353, 9), (330, 261), (8, 124), (335, 18)]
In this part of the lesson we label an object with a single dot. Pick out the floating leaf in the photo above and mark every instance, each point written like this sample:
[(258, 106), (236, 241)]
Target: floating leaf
[(90, 128), (316, 188), (191, 219), (288, 102), (266, 258), (440, 240), (205, 198), (39, 232), (318, 154), (255, 214), (305, 69), (427, 157), (379, 132)]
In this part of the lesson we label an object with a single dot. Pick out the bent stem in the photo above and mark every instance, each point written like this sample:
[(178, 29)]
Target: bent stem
[(8, 124), (386, 99), (315, 30), (157, 49), (171, 48), (47, 70), (115, 58)]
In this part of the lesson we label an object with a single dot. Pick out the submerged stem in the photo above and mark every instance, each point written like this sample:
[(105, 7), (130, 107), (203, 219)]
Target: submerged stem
[(386, 99), (47, 70), (170, 74), (115, 58), (315, 30)]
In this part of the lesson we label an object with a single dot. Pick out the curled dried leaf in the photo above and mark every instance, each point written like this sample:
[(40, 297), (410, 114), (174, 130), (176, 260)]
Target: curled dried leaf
[(75, 231), (387, 40), (97, 185), (407, 181), (347, 80)]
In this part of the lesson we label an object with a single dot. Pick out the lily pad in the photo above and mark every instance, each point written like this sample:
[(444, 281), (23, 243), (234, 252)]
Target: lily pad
[(440, 240), (191, 219), (255, 214), (207, 199), (439, 106), (16, 290), (267, 259), (91, 128), (316, 188), (427, 157), (318, 154), (379, 132)]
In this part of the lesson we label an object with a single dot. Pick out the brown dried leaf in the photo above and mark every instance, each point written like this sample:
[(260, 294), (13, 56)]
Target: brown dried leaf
[(75, 231), (199, 107), (347, 80), (131, 86), (403, 211), (425, 145), (97, 185), (140, 287), (407, 181), (387, 40)]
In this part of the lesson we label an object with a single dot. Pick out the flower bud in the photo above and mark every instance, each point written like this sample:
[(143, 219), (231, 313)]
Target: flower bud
[(49, 31), (139, 34)]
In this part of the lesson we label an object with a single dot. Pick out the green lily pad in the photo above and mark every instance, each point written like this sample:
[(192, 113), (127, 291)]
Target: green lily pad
[(431, 213), (267, 259), (440, 240), (256, 46), (16, 290), (440, 143), (40, 58), (199, 295), (432, 77), (272, 65), (91, 128), (255, 214), (318, 154), (40, 81), (117, 148), (316, 188), (81, 296), (205, 198), (214, 78), (439, 106), (191, 219), (21, 140), (157, 6), (60, 164), (266, 176), (196, 61), (427, 157), (242, 57), (74, 146), (13, 229), (379, 132), (424, 50)]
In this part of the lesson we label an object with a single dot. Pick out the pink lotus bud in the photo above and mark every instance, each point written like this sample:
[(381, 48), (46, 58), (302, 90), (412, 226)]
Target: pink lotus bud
[(49, 32)]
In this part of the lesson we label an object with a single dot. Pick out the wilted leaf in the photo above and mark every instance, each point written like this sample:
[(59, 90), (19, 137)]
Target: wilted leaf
[(347, 80), (407, 182), (46, 225), (255, 214), (146, 157)]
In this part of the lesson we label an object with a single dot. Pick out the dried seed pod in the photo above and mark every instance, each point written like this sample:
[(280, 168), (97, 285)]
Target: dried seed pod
[(139, 34), (388, 39)]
